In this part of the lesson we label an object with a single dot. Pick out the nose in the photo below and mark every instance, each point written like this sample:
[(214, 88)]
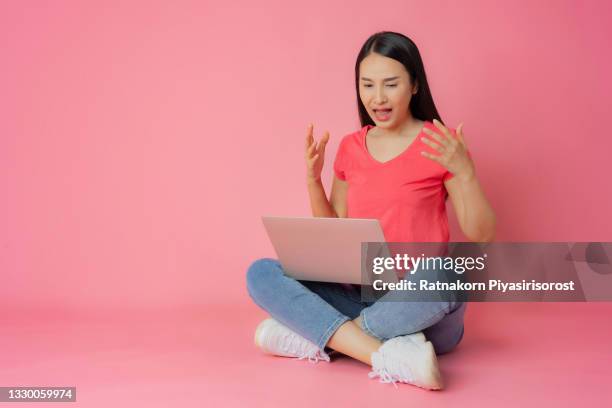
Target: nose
[(381, 98)]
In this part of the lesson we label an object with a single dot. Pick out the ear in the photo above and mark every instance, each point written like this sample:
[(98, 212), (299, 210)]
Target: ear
[(415, 88)]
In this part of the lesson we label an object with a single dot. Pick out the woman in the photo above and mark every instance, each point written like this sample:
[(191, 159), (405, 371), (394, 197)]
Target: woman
[(399, 168)]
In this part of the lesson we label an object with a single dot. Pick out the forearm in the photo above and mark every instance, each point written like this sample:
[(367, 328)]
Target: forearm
[(478, 219), (319, 203)]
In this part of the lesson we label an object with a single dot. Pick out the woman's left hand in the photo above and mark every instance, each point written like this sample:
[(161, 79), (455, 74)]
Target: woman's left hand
[(453, 150)]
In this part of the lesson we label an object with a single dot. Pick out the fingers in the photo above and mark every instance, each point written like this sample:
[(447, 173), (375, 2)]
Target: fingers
[(310, 150), (320, 145), (460, 133), (440, 126), (315, 150), (436, 136), (433, 145), (445, 131), (311, 158), (310, 145), (323, 142), (309, 137), (431, 157), (313, 146)]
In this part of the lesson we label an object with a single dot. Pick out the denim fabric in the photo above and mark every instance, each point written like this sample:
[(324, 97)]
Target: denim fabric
[(315, 310)]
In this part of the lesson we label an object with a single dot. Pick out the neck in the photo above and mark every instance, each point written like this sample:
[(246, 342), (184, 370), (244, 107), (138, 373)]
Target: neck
[(401, 129)]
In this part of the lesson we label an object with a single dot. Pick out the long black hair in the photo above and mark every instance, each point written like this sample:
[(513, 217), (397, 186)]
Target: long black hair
[(404, 50)]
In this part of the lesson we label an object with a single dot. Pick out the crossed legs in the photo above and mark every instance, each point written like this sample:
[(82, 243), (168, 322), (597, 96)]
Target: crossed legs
[(333, 315)]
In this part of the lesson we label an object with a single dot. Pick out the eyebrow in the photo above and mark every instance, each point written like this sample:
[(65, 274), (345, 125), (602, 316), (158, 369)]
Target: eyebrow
[(384, 80)]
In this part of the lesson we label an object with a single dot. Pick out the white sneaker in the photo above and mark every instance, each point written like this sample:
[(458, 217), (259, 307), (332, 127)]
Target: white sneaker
[(275, 338), (418, 337), (401, 359)]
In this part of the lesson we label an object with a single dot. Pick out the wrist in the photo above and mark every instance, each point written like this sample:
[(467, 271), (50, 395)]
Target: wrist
[(467, 176), (311, 181)]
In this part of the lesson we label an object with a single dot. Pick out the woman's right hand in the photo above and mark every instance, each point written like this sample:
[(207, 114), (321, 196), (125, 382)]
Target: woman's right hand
[(315, 154)]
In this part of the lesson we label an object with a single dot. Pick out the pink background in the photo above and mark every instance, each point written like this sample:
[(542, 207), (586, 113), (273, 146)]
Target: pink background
[(140, 142)]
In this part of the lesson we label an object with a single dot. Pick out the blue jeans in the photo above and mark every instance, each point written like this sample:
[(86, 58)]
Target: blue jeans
[(315, 310)]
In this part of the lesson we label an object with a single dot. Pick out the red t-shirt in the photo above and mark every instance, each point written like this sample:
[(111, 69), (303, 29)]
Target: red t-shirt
[(406, 194)]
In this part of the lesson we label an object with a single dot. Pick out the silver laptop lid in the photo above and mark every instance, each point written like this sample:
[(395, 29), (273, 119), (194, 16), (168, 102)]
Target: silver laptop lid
[(323, 249)]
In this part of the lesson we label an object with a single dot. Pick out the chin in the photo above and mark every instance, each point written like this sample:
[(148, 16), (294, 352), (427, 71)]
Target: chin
[(378, 123)]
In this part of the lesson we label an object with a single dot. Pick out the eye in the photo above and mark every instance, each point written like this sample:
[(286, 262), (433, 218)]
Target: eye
[(389, 85)]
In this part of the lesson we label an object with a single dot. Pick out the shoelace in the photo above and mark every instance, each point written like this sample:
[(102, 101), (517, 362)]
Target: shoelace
[(384, 375), (291, 343), (312, 359)]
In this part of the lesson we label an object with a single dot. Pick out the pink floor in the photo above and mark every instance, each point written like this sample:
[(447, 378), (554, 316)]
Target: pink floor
[(512, 355)]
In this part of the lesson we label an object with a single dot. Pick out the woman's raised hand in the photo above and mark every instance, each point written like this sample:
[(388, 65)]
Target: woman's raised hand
[(453, 151), (315, 154)]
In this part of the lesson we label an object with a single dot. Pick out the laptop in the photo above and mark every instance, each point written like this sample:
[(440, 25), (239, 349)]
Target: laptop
[(326, 249)]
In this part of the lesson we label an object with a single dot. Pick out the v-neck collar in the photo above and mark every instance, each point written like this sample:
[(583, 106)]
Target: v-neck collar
[(403, 153)]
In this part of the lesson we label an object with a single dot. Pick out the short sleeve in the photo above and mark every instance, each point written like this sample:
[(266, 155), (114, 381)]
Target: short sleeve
[(339, 167), (447, 176)]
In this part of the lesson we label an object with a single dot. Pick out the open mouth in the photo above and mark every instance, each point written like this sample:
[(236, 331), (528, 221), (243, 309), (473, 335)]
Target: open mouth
[(382, 114)]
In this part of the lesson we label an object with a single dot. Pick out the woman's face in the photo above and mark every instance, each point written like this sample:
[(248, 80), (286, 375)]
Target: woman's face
[(385, 90)]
